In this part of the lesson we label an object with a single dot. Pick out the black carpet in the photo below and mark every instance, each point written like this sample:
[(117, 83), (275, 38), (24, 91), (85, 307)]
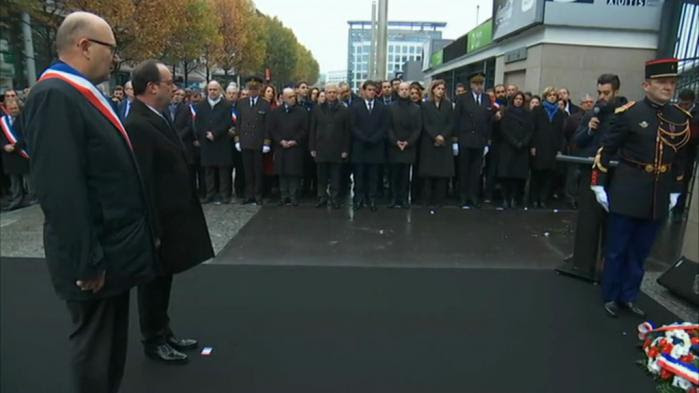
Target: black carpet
[(349, 329)]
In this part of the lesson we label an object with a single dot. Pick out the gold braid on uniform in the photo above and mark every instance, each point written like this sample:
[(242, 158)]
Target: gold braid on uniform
[(598, 161), (670, 138)]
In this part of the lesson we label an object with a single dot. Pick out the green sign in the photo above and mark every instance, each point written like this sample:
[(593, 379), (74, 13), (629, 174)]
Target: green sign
[(437, 58), (480, 36)]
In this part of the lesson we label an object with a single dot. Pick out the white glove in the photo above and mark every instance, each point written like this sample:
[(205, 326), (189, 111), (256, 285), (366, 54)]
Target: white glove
[(265, 149), (237, 146), (486, 150), (673, 199), (601, 197), (455, 149)]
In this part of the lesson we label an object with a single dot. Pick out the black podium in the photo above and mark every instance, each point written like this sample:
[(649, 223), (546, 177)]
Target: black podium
[(586, 261)]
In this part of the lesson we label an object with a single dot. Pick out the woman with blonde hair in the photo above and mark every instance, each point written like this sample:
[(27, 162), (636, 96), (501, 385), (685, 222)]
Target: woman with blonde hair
[(547, 141)]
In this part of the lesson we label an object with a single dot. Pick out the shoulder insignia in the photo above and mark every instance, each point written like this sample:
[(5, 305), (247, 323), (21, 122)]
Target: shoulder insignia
[(625, 107), (686, 112)]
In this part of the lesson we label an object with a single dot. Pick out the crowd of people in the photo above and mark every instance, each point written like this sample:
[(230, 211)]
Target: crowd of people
[(395, 142)]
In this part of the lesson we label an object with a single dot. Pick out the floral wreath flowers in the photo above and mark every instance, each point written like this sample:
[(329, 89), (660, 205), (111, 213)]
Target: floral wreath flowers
[(672, 355)]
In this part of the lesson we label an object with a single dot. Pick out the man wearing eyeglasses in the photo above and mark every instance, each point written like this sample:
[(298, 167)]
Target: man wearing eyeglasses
[(99, 237)]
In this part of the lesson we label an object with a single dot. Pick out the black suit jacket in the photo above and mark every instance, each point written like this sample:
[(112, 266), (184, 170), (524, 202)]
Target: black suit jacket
[(218, 120), (252, 123), (369, 132), (86, 178), (472, 122), (182, 123), (163, 161)]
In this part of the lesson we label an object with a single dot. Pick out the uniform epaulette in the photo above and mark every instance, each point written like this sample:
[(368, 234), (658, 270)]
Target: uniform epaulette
[(686, 112), (625, 107)]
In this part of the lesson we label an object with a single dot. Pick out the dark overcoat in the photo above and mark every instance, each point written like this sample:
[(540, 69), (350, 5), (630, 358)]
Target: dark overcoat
[(436, 160), (548, 138), (180, 223), (290, 125), (14, 163), (405, 124), (516, 131), (85, 175), (216, 153), (330, 133)]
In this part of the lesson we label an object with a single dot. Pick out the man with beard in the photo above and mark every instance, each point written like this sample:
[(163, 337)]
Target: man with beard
[(287, 129), (405, 124), (329, 143)]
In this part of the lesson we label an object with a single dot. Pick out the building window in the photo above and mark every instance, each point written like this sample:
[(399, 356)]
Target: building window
[(390, 48), (412, 49)]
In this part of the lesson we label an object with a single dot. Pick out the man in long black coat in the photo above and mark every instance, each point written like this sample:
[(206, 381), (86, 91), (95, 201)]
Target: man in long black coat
[(329, 143), (250, 140), (369, 128), (184, 237), (180, 115), (211, 124), (472, 128), (15, 159), (403, 135), (98, 231), (287, 129)]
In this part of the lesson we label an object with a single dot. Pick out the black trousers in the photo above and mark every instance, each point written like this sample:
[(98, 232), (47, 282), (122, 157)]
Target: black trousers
[(289, 187), (470, 163), (254, 177), (572, 180), (491, 170), (224, 182), (19, 187), (433, 190), (512, 189), (153, 303), (239, 178), (333, 172), (365, 181), (98, 341), (540, 185), (400, 182)]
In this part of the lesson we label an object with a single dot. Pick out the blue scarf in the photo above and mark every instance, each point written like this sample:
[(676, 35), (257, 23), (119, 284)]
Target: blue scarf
[(551, 109)]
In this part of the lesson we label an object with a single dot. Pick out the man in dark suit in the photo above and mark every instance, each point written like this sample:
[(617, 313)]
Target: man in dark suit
[(180, 116), (124, 108), (329, 143), (250, 140), (287, 129), (369, 127), (211, 125), (15, 159), (403, 135), (472, 128), (99, 235), (180, 224)]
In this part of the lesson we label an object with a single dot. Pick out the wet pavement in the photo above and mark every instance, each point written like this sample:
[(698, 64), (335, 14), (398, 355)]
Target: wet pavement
[(451, 238)]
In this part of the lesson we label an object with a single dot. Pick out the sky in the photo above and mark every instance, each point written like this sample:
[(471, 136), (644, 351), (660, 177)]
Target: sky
[(321, 25)]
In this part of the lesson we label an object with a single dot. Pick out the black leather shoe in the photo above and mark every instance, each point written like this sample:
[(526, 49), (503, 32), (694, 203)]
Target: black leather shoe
[(634, 309), (393, 205), (258, 201), (182, 344), (248, 201), (294, 203), (282, 202), (322, 203), (335, 205), (612, 309), (166, 354)]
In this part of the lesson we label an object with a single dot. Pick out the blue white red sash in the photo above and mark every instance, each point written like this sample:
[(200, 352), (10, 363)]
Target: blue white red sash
[(234, 116), (93, 96), (194, 112), (8, 130), (685, 370)]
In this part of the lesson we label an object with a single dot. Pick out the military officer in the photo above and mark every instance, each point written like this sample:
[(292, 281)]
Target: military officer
[(649, 137)]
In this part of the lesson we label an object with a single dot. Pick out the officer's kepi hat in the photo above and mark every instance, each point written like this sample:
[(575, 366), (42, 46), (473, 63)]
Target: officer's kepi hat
[(661, 68), (477, 77)]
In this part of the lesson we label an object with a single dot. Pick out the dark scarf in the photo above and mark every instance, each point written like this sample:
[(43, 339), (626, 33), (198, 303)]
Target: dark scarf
[(520, 114), (551, 109)]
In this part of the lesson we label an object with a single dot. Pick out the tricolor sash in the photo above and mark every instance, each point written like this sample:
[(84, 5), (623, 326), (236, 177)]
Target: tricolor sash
[(8, 130), (234, 116), (93, 96), (194, 113)]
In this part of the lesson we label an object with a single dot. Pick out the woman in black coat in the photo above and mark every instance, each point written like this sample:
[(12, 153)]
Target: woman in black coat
[(516, 129), (436, 157), (547, 141)]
